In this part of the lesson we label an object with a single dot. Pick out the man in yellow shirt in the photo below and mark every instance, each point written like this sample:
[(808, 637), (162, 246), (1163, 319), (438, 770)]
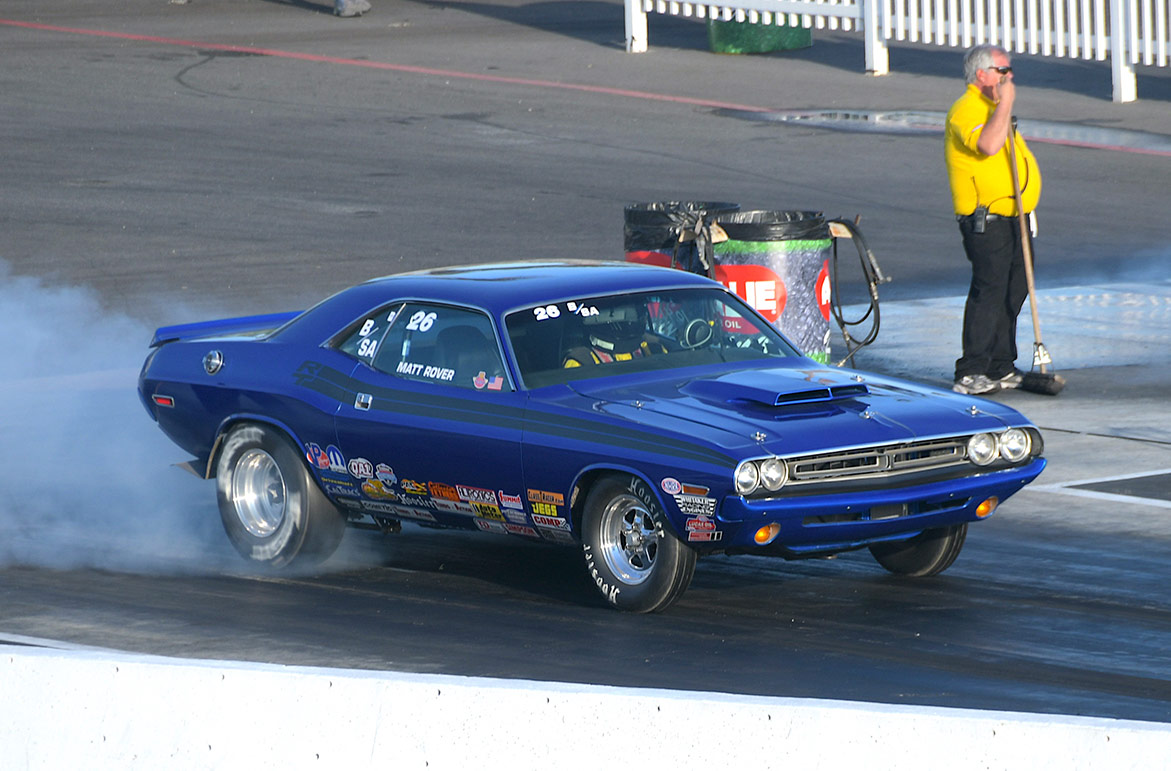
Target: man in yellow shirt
[(978, 128)]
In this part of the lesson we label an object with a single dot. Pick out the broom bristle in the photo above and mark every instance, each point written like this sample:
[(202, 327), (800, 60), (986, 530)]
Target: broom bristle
[(1048, 383)]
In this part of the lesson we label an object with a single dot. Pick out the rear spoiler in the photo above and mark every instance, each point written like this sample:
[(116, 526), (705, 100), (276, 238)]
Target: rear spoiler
[(251, 325)]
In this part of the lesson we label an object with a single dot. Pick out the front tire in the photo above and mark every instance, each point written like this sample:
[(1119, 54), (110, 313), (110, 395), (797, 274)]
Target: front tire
[(632, 557), (927, 554), (272, 509)]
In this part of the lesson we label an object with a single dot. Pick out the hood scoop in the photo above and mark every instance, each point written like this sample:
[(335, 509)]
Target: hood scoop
[(778, 387)]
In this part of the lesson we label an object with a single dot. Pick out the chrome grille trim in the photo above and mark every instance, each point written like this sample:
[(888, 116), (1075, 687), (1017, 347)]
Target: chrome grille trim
[(877, 462)]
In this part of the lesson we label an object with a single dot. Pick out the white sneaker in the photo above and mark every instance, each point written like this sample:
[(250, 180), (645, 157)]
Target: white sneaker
[(1012, 379), (975, 384), (350, 7)]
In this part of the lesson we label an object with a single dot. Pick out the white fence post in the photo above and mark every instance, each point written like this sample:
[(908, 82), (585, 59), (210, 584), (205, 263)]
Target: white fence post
[(877, 57), (635, 27), (1121, 67)]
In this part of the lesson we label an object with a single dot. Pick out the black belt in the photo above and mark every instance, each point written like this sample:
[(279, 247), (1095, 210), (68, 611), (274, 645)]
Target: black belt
[(989, 216)]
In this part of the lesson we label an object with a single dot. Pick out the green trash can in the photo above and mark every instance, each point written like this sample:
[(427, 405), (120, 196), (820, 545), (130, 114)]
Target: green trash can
[(778, 261), (745, 37)]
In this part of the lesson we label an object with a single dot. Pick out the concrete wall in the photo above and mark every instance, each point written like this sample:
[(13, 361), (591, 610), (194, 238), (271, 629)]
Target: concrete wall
[(98, 710)]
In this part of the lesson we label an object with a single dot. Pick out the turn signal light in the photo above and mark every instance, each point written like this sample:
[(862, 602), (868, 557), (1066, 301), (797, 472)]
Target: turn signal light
[(987, 507), (767, 533)]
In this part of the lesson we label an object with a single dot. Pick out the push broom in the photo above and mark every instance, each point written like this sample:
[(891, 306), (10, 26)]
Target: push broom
[(1039, 379)]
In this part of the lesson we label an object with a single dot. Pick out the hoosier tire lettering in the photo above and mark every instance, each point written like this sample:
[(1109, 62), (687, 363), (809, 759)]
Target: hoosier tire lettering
[(632, 556)]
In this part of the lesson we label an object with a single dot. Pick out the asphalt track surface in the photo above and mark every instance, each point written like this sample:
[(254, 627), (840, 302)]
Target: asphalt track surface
[(165, 162)]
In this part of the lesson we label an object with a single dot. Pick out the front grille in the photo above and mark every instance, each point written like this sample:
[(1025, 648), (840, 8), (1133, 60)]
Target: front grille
[(877, 462)]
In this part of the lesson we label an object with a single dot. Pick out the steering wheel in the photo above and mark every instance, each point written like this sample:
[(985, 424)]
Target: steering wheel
[(697, 332)]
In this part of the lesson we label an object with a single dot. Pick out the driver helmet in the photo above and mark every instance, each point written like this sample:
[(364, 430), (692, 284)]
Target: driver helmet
[(618, 328)]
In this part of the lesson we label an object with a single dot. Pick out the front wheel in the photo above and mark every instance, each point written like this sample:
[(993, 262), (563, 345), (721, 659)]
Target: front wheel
[(927, 554), (273, 510), (634, 560)]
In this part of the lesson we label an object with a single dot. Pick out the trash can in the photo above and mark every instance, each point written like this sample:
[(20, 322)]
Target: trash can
[(778, 261), (745, 37), (673, 233)]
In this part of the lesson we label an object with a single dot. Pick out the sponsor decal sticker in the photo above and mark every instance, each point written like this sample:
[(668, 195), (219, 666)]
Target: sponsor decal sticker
[(412, 487), (361, 468), (385, 474), (694, 505), (521, 530), (441, 490), (488, 511), (475, 494), (454, 507), (542, 496), (412, 513), (557, 536), (544, 509), (376, 488), (556, 523), (671, 486), (700, 524), (491, 526), (337, 461), (482, 381), (316, 456), (704, 535), (511, 501)]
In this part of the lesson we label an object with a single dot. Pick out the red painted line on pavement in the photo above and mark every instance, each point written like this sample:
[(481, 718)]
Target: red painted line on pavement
[(553, 84), (457, 74)]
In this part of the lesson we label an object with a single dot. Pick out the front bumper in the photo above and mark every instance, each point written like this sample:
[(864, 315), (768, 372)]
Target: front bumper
[(813, 524)]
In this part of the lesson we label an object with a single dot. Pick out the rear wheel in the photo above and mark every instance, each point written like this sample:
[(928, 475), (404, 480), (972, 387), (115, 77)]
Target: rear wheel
[(635, 561), (272, 509), (927, 554)]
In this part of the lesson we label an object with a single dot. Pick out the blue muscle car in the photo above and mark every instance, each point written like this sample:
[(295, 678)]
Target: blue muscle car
[(647, 415)]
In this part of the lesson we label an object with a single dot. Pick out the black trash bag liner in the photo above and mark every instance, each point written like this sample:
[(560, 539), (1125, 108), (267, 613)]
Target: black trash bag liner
[(656, 228), (774, 225)]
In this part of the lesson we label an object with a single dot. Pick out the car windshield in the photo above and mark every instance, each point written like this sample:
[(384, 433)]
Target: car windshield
[(601, 336)]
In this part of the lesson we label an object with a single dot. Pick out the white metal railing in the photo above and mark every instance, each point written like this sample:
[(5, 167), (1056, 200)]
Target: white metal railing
[(1128, 32)]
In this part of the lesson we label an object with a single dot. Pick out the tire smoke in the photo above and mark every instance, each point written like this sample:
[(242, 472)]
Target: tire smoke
[(86, 478)]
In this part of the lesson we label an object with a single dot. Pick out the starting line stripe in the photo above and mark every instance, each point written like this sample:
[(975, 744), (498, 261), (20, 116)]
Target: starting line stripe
[(1069, 488)]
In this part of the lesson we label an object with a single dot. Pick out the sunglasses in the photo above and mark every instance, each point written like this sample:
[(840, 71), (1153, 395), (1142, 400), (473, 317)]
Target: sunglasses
[(1001, 70)]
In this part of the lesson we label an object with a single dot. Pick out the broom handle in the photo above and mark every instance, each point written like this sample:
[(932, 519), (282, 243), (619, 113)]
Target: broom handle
[(1026, 244)]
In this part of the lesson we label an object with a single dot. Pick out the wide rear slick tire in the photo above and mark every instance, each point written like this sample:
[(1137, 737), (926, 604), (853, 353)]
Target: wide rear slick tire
[(272, 509), (927, 554), (632, 556)]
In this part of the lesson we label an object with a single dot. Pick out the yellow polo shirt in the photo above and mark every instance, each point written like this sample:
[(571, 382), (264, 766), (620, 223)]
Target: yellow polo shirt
[(977, 179)]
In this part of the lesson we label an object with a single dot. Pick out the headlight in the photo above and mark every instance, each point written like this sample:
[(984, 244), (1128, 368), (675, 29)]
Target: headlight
[(1015, 445), (982, 449), (747, 478), (773, 474)]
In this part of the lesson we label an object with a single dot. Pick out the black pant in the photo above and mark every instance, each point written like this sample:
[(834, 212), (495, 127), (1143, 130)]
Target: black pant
[(995, 297)]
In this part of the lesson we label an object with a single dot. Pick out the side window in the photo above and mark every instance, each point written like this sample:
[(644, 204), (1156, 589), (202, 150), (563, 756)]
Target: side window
[(363, 340), (440, 344)]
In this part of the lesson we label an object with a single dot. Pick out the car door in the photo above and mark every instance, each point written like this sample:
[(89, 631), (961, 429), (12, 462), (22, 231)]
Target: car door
[(434, 432)]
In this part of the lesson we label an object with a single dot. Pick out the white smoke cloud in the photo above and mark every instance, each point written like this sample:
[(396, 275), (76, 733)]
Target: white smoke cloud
[(86, 478)]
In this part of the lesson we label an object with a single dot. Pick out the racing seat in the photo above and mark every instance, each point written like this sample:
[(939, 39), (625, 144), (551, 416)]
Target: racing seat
[(469, 352)]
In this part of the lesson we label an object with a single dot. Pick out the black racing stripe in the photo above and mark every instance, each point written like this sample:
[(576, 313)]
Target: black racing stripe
[(337, 385)]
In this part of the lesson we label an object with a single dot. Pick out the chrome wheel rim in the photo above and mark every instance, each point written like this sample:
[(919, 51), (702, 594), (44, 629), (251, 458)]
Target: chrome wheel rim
[(258, 493), (630, 539)]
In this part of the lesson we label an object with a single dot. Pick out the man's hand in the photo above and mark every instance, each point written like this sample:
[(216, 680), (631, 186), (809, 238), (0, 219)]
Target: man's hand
[(995, 132)]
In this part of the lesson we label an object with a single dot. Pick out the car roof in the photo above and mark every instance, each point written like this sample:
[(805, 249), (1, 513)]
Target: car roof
[(497, 288)]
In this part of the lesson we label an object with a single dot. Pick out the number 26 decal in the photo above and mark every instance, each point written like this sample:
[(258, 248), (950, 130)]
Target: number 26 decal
[(421, 321)]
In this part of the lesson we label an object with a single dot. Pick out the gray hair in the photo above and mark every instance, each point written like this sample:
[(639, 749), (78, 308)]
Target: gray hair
[(980, 58)]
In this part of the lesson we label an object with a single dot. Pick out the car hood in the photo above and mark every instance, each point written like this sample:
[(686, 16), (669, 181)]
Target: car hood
[(795, 408)]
